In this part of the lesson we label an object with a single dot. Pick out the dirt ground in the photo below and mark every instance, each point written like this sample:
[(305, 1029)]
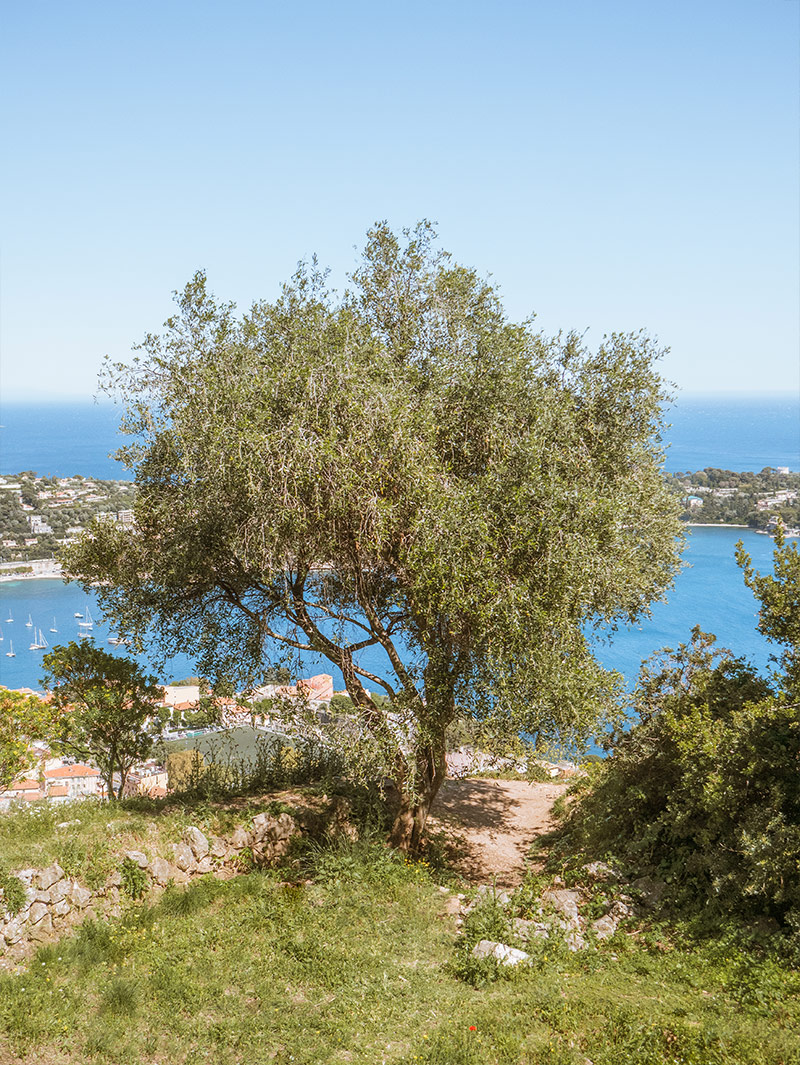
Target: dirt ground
[(494, 823)]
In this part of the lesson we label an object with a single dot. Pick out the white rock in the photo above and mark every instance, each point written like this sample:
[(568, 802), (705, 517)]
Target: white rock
[(501, 952), (138, 858), (78, 895), (197, 841), (184, 857), (49, 876), (38, 912), (160, 870)]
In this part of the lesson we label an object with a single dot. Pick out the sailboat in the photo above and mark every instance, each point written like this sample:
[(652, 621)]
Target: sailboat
[(10, 653), (53, 628), (87, 623), (29, 622), (9, 618), (40, 644)]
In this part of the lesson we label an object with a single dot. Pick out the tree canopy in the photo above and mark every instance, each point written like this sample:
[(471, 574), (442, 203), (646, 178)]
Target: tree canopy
[(104, 703), (23, 718), (400, 467)]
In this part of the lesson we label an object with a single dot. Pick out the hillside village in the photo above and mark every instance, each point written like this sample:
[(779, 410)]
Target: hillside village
[(39, 515)]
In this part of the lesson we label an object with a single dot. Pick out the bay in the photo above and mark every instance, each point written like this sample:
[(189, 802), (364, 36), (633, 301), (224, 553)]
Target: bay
[(708, 592)]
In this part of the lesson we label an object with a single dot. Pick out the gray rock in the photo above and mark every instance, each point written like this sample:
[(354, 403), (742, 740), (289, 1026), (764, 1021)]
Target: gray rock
[(605, 927), (622, 909), (114, 880), (184, 857), (30, 898), (205, 865), (218, 848), (564, 901), (138, 858), (486, 893), (601, 871), (529, 929), (197, 841), (160, 870), (501, 952), (26, 876), (49, 876), (58, 891), (38, 912), (61, 908), (13, 931), (78, 896), (240, 839), (42, 929), (574, 941)]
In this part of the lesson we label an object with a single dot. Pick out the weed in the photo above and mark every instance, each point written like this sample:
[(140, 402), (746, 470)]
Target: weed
[(134, 879), (121, 997), (12, 893)]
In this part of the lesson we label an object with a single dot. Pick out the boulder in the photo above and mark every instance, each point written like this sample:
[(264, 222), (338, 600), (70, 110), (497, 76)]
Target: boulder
[(12, 932), (49, 876), (529, 929), (605, 927), (564, 901), (205, 865), (138, 858), (240, 839), (218, 848), (161, 871), (601, 871), (60, 908), (197, 841), (501, 952), (184, 857), (650, 891), (574, 940)]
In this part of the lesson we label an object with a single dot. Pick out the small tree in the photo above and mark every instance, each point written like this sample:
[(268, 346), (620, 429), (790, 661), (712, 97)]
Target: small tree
[(22, 718), (105, 702), (400, 468), (184, 768)]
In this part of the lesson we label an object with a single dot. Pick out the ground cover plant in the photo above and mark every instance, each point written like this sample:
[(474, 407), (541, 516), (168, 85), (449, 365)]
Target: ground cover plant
[(353, 962)]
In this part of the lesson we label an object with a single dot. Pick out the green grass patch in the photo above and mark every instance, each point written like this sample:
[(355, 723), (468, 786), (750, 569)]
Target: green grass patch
[(357, 967)]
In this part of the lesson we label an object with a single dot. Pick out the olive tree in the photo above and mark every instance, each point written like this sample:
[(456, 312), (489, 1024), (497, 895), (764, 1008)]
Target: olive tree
[(403, 468), (23, 717)]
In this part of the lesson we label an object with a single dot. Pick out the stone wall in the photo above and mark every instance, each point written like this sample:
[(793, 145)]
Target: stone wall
[(55, 902)]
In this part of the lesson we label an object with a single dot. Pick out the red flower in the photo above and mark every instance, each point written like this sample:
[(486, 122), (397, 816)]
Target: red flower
[(472, 1028)]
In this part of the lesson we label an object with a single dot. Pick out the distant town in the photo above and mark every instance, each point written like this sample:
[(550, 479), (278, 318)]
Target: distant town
[(39, 515)]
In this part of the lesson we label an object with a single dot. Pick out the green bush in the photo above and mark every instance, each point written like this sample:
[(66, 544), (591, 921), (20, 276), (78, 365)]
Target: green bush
[(704, 791), (134, 879), (13, 893)]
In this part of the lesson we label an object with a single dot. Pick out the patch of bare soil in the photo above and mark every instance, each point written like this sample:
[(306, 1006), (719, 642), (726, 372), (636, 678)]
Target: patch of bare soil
[(493, 824)]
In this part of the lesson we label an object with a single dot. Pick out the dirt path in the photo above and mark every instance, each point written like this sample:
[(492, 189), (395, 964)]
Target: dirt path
[(493, 824)]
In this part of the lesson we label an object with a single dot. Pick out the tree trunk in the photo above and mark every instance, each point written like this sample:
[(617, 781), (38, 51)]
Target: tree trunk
[(409, 823)]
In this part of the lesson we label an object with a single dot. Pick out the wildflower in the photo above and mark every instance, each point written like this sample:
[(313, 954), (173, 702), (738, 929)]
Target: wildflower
[(472, 1028)]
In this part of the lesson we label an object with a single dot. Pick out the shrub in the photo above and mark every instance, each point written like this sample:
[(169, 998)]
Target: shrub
[(704, 790), (134, 879), (12, 893)]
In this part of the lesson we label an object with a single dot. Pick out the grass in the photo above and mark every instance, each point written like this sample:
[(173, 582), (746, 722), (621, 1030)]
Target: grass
[(358, 967)]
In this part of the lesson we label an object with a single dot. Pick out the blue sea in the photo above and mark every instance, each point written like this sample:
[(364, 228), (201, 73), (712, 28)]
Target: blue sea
[(729, 432), (737, 434)]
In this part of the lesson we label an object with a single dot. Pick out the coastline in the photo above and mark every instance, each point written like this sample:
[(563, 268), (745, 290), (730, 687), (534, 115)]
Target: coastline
[(717, 525)]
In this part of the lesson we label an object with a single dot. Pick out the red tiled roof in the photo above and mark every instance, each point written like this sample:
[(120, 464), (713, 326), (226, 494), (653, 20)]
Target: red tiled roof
[(71, 772), (24, 785)]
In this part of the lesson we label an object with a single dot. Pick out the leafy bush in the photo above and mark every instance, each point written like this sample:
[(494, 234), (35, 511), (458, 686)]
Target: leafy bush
[(134, 879), (704, 791), (12, 893)]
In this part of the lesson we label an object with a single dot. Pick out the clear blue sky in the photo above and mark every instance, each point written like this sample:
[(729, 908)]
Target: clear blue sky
[(614, 165)]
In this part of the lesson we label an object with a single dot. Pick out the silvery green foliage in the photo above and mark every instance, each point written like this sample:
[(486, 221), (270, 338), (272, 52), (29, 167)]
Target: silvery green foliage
[(401, 467)]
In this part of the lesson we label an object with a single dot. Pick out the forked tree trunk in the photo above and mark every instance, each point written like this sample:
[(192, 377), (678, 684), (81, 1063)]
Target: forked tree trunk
[(415, 805)]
